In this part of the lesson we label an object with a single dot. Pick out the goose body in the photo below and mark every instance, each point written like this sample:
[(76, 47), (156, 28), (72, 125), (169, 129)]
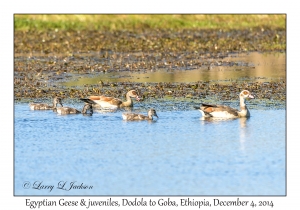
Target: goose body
[(69, 110), (111, 102), (221, 111), (44, 106), (135, 116)]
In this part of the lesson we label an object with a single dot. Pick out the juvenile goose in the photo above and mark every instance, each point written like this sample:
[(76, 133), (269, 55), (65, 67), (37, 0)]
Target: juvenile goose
[(111, 102), (134, 116), (68, 110), (43, 106), (221, 111)]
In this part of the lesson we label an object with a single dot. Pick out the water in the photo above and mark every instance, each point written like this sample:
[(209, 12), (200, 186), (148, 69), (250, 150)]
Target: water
[(179, 154), (254, 67)]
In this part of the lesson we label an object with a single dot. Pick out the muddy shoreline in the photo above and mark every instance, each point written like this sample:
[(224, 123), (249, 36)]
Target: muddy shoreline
[(42, 60)]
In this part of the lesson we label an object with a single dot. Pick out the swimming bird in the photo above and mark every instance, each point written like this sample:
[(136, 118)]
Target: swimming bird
[(69, 110), (43, 106), (134, 116), (221, 111), (111, 102)]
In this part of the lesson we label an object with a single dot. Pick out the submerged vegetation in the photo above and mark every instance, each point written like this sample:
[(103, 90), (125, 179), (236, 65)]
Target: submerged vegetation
[(51, 48)]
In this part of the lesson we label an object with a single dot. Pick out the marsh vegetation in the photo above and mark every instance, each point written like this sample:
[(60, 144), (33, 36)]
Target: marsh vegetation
[(50, 49)]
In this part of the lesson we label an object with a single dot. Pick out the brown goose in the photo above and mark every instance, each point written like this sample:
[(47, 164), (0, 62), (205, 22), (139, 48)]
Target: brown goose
[(68, 110), (43, 106), (111, 102), (134, 116), (221, 111)]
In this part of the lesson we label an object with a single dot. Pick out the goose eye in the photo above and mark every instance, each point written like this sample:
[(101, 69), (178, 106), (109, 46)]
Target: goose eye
[(245, 92)]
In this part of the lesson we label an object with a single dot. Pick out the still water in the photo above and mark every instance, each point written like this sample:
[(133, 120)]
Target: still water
[(179, 154), (254, 67)]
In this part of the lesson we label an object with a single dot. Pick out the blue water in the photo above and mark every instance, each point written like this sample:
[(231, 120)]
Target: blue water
[(179, 154)]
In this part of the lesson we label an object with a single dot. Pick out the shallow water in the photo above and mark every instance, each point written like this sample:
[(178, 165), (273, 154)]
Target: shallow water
[(178, 154), (255, 67)]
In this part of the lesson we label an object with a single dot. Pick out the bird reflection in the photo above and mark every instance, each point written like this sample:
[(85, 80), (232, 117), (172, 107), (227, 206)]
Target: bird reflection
[(243, 132), (243, 122)]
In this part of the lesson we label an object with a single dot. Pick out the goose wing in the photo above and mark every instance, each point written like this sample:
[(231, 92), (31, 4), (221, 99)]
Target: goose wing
[(87, 100), (133, 116), (215, 109), (41, 106)]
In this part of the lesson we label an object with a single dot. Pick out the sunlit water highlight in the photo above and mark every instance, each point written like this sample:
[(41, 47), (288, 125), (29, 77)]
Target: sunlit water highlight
[(178, 154), (254, 67)]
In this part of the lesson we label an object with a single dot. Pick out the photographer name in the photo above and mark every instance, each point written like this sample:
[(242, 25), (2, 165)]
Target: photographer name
[(62, 185)]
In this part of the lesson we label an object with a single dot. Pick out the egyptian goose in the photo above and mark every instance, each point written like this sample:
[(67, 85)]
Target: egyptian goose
[(69, 110), (134, 116), (221, 111), (112, 103), (43, 106)]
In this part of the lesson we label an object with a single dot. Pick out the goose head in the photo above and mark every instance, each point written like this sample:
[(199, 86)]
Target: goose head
[(87, 107), (245, 94), (152, 112), (56, 101), (133, 94)]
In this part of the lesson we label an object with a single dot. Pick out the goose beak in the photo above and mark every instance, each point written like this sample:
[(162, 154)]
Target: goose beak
[(251, 96), (137, 98)]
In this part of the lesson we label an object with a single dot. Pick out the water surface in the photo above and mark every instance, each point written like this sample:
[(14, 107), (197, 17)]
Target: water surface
[(255, 67), (179, 154)]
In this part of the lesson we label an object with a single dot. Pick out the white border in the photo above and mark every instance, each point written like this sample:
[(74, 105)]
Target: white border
[(8, 201)]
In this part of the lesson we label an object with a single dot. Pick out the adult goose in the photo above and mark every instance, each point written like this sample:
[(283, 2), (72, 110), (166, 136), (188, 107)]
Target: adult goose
[(43, 106), (221, 111), (111, 102), (134, 116), (87, 109)]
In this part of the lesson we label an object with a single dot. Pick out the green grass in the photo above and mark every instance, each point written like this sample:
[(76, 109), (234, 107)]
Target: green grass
[(132, 22)]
